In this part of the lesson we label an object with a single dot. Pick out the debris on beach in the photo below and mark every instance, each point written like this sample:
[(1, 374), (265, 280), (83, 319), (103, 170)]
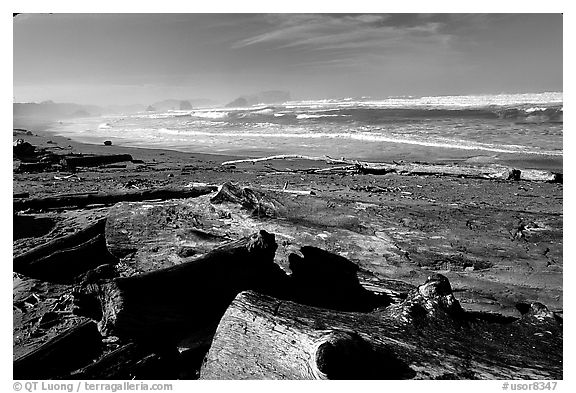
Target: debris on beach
[(178, 273)]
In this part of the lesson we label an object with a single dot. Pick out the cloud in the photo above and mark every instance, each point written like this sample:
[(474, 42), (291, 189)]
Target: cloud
[(347, 32)]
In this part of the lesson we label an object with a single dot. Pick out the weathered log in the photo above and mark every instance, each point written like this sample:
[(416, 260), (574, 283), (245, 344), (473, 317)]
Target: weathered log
[(89, 161), (79, 201), (475, 172), (31, 167), (428, 336), (323, 279), (166, 305), (64, 265), (70, 350), (326, 159), (29, 226), (375, 168), (59, 243)]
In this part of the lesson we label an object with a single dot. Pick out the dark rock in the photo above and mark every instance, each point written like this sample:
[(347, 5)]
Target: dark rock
[(264, 97), (80, 113), (185, 105), (558, 178), (514, 174), (238, 102), (21, 148), (107, 143)]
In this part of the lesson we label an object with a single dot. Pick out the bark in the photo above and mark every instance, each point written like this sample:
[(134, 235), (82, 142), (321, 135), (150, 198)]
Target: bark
[(427, 336), (80, 201), (70, 350)]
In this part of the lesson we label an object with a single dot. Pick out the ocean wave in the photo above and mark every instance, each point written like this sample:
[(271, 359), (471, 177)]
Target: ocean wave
[(209, 114), (369, 137), (438, 102), (315, 116), (104, 126), (265, 111)]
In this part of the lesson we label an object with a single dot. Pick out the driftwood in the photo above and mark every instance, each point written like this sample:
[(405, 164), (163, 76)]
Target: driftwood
[(495, 172), (427, 336), (79, 201), (326, 159), (477, 172), (74, 348), (89, 161), (91, 231), (168, 305), (399, 240), (27, 226), (31, 167), (64, 265)]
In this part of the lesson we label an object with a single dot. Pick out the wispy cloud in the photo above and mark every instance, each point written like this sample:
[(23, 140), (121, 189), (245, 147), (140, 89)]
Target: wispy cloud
[(346, 32)]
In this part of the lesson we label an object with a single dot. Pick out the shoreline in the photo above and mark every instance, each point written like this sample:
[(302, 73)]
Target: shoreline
[(418, 154)]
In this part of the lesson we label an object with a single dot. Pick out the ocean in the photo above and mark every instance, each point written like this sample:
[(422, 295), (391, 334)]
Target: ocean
[(524, 128)]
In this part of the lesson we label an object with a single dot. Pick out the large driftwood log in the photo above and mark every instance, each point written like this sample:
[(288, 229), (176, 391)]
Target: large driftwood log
[(63, 259), (89, 161), (475, 172), (326, 159), (101, 198), (469, 171), (427, 336), (31, 167), (74, 348), (60, 243), (64, 265), (166, 305)]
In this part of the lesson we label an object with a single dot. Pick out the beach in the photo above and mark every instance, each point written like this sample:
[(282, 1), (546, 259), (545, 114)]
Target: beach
[(499, 241)]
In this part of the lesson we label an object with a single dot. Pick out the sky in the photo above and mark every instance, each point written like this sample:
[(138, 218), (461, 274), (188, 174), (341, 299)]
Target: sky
[(142, 58)]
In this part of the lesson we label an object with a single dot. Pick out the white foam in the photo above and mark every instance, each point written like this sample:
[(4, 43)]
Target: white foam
[(266, 111), (435, 102), (209, 114), (369, 137), (535, 109)]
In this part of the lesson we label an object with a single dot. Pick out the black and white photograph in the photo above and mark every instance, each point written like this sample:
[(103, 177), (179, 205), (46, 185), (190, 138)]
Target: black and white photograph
[(287, 196)]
